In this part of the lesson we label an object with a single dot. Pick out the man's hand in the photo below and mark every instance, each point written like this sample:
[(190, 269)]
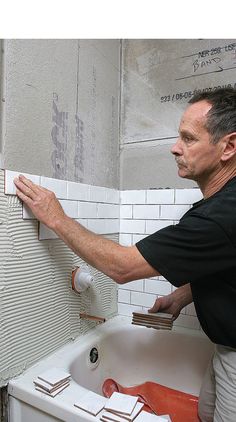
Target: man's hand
[(174, 302), (121, 263), (42, 202)]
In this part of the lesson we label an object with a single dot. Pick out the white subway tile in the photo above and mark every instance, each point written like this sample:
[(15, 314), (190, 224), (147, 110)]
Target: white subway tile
[(59, 187), (138, 237), (160, 277), (126, 211), (112, 226), (125, 239), (100, 226), (174, 212), (160, 196), (70, 208), (123, 296), (146, 211), (87, 209), (157, 287), (97, 226), (98, 194), (83, 222), (153, 226), (187, 196), (78, 191), (10, 188), (45, 233), (136, 286), (132, 226), (142, 299), (125, 309), (133, 197), (112, 196), (108, 211), (27, 213)]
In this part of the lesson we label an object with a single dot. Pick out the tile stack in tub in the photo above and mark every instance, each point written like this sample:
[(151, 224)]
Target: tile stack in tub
[(159, 320), (52, 381), (118, 408)]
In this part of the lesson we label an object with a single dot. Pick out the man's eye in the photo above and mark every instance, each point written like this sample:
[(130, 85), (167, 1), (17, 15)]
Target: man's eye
[(187, 139)]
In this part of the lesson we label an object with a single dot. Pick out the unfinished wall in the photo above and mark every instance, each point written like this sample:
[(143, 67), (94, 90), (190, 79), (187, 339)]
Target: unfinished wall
[(39, 311), (158, 78), (59, 119), (61, 108)]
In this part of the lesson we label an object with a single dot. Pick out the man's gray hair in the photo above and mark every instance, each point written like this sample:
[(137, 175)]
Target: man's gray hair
[(221, 118)]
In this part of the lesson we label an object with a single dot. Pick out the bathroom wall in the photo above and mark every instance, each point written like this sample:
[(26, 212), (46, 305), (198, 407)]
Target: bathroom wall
[(61, 100), (158, 78), (59, 120), (142, 212), (39, 311)]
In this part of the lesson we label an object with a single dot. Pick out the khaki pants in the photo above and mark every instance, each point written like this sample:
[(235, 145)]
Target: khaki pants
[(217, 400)]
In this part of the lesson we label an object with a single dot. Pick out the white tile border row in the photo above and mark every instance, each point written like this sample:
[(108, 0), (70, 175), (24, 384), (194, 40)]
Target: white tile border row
[(83, 192), (65, 190)]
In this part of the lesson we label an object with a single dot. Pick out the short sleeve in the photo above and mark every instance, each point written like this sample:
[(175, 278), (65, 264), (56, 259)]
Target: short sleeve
[(195, 248)]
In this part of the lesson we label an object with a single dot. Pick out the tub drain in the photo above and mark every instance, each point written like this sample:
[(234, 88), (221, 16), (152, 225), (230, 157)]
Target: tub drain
[(93, 357)]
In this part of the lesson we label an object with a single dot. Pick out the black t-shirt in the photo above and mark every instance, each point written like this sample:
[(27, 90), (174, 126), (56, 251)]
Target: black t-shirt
[(201, 249)]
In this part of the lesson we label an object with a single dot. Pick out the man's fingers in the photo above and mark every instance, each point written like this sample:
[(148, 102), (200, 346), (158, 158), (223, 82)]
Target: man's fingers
[(23, 197), (155, 307), (26, 186)]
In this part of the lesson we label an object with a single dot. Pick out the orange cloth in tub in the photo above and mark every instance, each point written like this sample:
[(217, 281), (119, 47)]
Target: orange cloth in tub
[(181, 407)]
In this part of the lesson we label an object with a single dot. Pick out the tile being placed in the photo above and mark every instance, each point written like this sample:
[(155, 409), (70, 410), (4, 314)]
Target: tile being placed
[(10, 188), (59, 187)]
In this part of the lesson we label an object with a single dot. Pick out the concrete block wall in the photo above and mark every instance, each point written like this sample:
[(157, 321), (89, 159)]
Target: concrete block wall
[(142, 212)]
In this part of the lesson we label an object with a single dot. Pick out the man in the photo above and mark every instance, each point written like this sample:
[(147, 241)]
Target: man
[(198, 255)]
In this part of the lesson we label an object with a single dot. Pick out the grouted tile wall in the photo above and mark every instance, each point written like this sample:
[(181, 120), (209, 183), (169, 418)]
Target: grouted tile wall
[(142, 212)]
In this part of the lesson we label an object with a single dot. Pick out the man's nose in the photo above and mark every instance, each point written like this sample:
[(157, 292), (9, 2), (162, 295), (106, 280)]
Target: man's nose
[(177, 148)]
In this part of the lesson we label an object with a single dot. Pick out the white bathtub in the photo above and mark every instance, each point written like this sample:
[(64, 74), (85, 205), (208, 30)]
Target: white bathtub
[(129, 354)]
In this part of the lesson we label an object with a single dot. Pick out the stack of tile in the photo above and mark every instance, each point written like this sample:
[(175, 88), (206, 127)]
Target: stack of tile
[(150, 417), (124, 408), (91, 403), (52, 381), (159, 320), (121, 408)]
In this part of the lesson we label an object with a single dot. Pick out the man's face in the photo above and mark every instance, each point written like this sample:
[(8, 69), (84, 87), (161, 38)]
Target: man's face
[(197, 158)]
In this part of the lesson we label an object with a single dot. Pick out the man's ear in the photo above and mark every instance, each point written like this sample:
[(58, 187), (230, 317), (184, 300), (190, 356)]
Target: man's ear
[(229, 146)]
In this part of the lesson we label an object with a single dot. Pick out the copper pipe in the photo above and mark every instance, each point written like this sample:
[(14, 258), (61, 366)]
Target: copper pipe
[(97, 319)]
